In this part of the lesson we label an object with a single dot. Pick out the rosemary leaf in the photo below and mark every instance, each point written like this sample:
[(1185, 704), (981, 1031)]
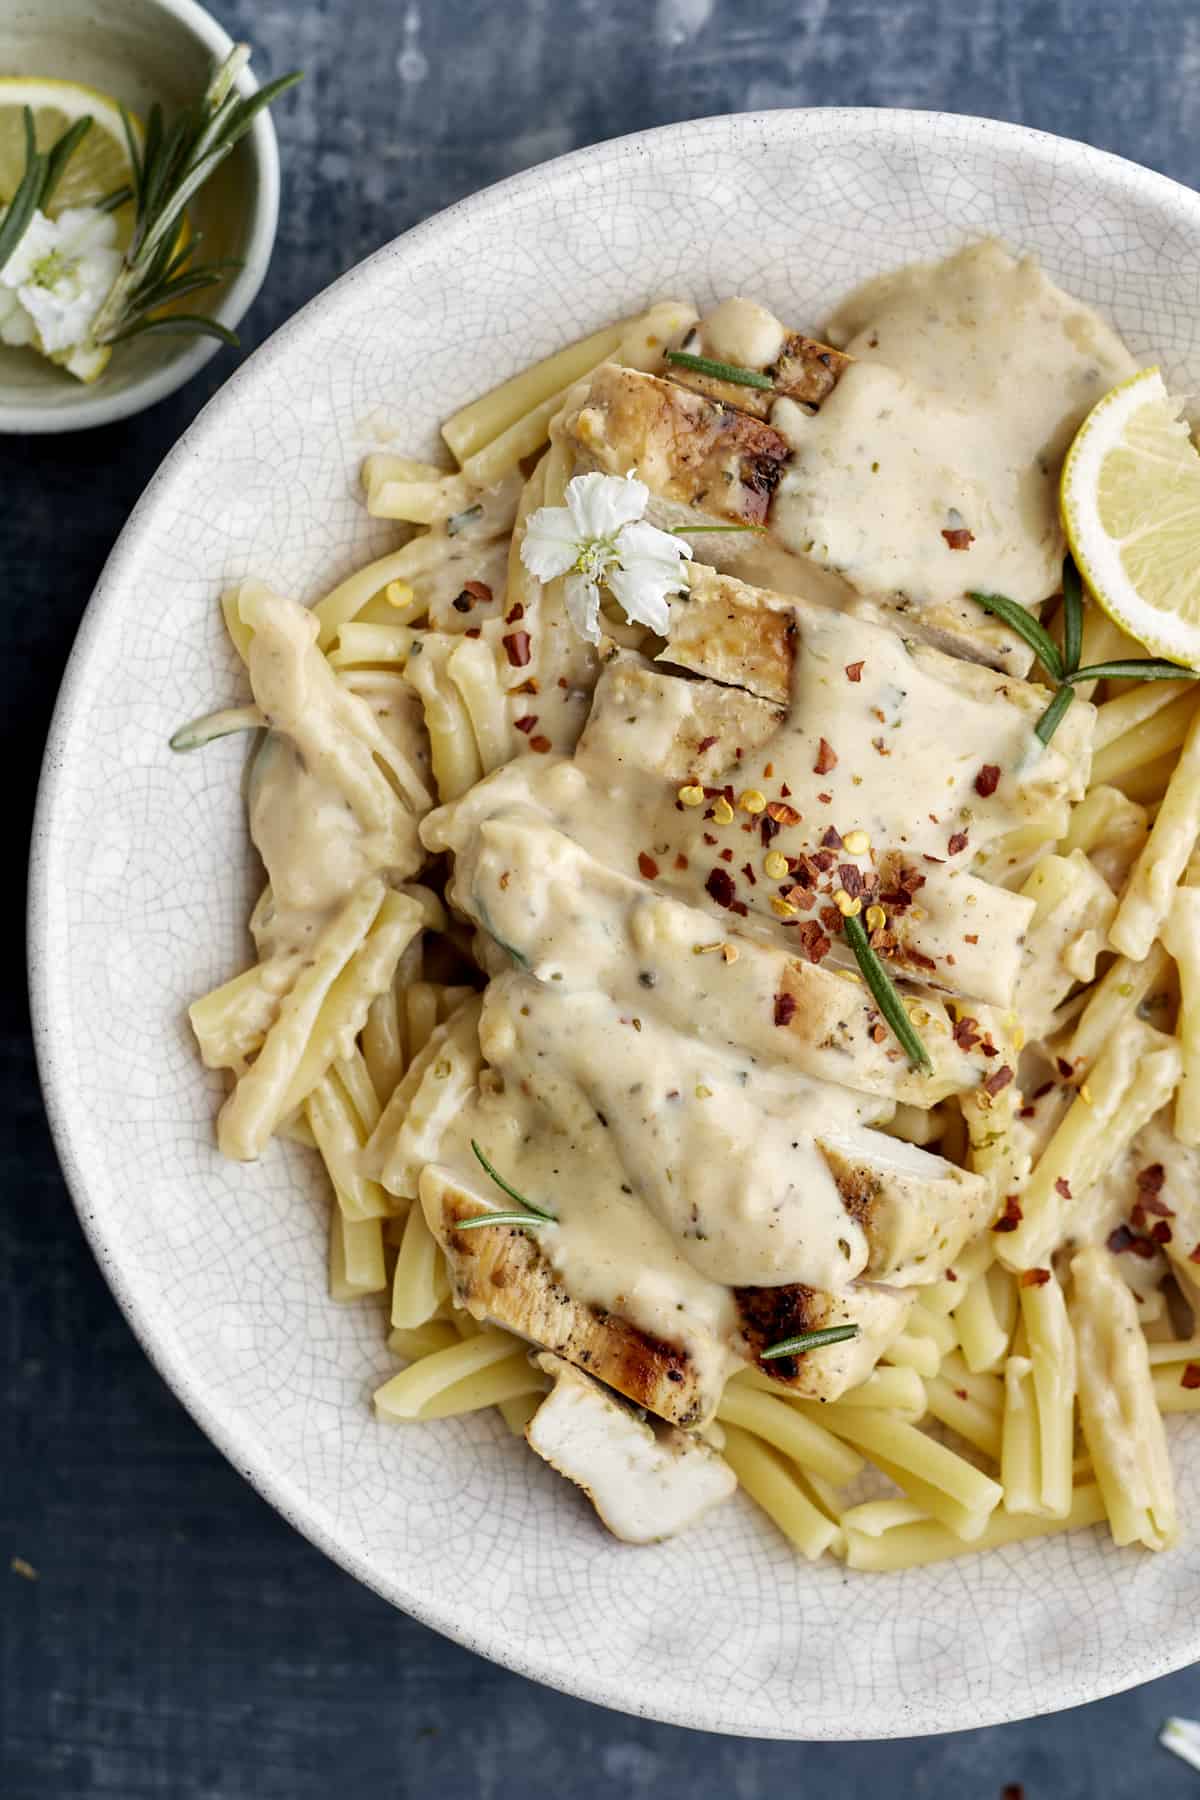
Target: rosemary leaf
[(24, 202), (177, 325), (720, 371), (546, 1218), (883, 990), (1053, 716), (1136, 668), (810, 1340), (60, 154), (1026, 627), (527, 1221), (1072, 615), (696, 530)]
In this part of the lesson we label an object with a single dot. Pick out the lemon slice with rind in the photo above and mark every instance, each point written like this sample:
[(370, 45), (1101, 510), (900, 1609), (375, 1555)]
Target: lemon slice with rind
[(1131, 509), (99, 165)]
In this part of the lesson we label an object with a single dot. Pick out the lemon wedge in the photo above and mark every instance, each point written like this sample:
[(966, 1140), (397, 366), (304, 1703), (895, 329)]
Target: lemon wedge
[(99, 165), (1130, 499)]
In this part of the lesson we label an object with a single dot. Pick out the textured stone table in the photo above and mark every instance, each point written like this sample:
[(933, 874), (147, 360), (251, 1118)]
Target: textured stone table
[(181, 1642)]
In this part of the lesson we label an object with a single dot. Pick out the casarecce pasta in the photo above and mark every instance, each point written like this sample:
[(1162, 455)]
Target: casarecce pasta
[(575, 919)]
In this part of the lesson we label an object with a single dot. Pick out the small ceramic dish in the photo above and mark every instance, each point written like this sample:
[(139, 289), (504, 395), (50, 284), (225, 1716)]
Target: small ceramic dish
[(140, 51), (142, 879)]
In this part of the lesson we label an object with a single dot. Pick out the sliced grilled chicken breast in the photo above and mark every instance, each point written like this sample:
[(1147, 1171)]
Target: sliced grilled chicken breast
[(647, 1481), (500, 1275)]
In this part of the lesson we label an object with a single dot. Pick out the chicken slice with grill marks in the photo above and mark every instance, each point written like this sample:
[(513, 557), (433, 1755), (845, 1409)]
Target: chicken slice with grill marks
[(771, 1315), (501, 1276), (647, 1481)]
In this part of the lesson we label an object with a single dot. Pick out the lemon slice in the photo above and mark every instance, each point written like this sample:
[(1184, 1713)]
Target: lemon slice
[(1131, 508), (99, 165)]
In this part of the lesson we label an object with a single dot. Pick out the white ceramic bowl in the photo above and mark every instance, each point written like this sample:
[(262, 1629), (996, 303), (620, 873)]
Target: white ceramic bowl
[(140, 51), (142, 879)]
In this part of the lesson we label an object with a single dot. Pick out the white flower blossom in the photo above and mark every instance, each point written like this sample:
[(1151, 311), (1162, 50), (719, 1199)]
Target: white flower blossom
[(59, 275), (600, 536)]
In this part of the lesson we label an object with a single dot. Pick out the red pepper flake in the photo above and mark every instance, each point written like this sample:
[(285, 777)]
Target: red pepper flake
[(1065, 1068), (1013, 1791), (473, 631), (527, 723), (720, 887), (811, 941), (739, 907), (825, 799), (1012, 1215), (951, 1275), (462, 602), (987, 1048), (1150, 1184), (782, 813), (966, 1032), (768, 771), (832, 840), (727, 855), (681, 861), (540, 744), (748, 872), (830, 917), (1161, 1233), (532, 686), (1152, 1204), (518, 647), (917, 959), (961, 1393), (878, 1034), (877, 743), (785, 1008), (1194, 1255), (1062, 1188), (1040, 1093), (959, 538), (647, 866), (511, 617), (562, 682), (709, 838), (826, 758), (970, 937), (1123, 1239), (987, 780), (957, 843), (800, 897), (851, 879), (706, 743), (939, 860), (505, 878), (854, 671), (785, 790), (1191, 1376), (1034, 1277), (768, 829)]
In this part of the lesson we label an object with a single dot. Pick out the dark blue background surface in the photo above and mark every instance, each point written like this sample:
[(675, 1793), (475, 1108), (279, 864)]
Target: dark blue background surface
[(181, 1642)]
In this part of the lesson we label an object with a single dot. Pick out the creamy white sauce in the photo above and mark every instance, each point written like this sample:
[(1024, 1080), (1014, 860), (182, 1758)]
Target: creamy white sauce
[(969, 379)]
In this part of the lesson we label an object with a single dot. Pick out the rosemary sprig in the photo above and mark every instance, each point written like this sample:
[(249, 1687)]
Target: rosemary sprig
[(810, 1340), (696, 530), (1063, 666), (532, 1217), (169, 167), (884, 993), (720, 371), (43, 171)]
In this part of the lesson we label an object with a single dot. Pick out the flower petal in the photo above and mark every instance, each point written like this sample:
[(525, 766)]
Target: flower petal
[(37, 240), (582, 597), (550, 544), (601, 504), (642, 597)]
